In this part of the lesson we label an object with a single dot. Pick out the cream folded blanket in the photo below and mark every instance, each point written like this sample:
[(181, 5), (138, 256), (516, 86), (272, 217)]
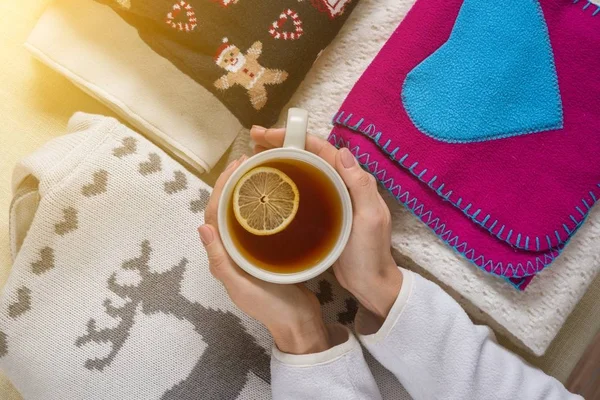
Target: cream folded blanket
[(90, 44)]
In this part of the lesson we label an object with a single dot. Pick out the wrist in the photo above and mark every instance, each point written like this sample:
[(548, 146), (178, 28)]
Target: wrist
[(379, 294), (306, 339)]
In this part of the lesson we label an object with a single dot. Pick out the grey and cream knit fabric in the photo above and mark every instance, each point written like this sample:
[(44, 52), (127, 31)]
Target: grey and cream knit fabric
[(110, 295)]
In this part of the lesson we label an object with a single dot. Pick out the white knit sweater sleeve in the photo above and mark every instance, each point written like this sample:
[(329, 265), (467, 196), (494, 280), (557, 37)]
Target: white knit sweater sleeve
[(429, 343), (338, 373)]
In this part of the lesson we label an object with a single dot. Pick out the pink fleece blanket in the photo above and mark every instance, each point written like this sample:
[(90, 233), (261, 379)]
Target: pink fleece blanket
[(483, 119)]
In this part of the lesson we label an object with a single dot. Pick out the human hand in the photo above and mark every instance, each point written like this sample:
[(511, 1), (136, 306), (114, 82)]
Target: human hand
[(291, 313), (366, 267)]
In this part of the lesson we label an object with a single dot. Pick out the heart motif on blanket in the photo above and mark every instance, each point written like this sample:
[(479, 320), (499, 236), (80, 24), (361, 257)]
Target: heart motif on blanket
[(190, 15), (200, 204), (98, 185), (347, 317), (3, 344), (334, 8), (22, 304), (46, 261), (226, 3), (176, 185), (151, 166), (69, 222), (129, 147), (277, 26), (325, 292), (494, 77)]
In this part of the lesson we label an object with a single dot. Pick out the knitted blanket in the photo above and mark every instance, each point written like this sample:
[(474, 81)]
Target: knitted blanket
[(251, 55), (481, 126), (110, 295)]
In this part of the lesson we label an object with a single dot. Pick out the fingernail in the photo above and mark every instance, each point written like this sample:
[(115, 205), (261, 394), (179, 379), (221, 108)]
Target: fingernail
[(243, 158), (348, 160), (206, 235), (257, 128)]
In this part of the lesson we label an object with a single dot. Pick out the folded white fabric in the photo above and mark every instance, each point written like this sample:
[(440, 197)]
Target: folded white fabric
[(531, 319), (95, 49), (110, 295)]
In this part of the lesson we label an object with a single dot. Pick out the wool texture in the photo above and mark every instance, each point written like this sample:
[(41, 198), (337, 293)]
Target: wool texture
[(251, 55), (110, 295), (506, 193)]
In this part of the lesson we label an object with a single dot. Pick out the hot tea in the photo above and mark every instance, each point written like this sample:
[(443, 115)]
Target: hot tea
[(310, 236)]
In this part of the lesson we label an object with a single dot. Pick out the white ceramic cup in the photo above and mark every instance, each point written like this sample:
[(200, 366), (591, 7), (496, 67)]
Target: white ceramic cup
[(293, 149)]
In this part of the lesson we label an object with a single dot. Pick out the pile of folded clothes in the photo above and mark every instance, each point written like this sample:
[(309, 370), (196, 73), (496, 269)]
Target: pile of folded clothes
[(481, 125)]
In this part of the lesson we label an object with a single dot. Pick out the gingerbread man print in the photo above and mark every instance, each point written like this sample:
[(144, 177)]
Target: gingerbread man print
[(245, 70)]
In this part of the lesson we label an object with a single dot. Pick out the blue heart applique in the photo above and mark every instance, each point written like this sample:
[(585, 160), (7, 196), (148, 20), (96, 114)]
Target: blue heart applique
[(494, 77)]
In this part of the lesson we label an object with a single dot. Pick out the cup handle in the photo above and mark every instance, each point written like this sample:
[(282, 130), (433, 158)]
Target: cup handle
[(296, 127)]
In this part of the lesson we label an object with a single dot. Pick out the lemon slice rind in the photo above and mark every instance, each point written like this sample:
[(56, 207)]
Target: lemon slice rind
[(265, 201)]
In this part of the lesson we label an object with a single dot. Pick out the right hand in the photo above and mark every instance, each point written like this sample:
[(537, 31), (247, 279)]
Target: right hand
[(366, 267)]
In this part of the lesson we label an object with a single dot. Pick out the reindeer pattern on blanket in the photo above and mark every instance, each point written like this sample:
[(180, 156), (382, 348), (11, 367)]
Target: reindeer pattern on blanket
[(111, 295)]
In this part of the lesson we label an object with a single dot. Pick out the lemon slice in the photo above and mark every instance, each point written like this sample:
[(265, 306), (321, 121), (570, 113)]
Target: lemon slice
[(265, 201)]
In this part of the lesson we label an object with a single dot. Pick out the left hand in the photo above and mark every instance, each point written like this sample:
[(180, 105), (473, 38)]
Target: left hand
[(291, 313), (366, 267)]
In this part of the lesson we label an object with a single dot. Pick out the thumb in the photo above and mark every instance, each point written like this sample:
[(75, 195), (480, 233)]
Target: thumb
[(361, 185), (221, 265)]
